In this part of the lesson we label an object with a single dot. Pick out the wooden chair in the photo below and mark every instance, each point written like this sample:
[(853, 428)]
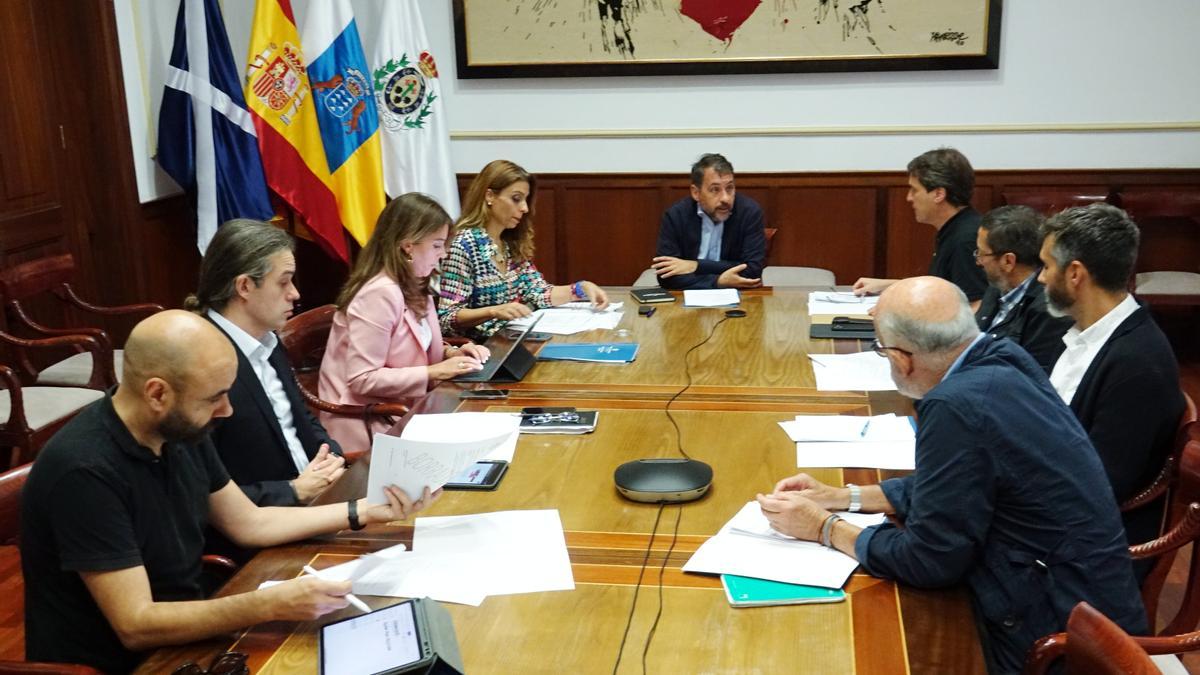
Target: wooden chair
[(52, 277), (11, 484), (1174, 218), (304, 337), (1093, 645), (31, 415), (1048, 202), (1166, 477)]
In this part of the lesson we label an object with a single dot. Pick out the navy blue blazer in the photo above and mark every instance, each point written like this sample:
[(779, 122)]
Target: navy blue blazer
[(1129, 401), (1009, 497), (743, 241), (250, 441)]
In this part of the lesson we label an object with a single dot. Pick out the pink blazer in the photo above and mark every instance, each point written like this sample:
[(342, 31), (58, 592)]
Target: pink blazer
[(374, 356)]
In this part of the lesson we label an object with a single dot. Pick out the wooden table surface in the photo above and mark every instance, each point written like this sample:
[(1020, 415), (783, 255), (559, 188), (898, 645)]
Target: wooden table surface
[(751, 375)]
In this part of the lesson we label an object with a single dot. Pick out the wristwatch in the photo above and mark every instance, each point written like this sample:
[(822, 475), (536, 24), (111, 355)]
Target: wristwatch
[(855, 498), (352, 507)]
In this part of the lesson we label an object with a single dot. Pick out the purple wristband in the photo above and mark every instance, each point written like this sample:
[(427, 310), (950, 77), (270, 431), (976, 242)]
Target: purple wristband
[(577, 290)]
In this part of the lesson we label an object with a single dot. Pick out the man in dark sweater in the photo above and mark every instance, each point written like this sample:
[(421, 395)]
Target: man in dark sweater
[(1118, 372), (940, 184), (713, 239)]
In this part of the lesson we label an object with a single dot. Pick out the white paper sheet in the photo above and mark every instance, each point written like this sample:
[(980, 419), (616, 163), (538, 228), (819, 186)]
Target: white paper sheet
[(864, 371), (502, 553), (413, 465), (848, 428), (571, 318), (841, 303), (867, 455), (718, 297), (752, 522), (792, 562), (468, 426)]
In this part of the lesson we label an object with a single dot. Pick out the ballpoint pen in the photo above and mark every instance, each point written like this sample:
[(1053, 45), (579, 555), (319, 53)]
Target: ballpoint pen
[(865, 427), (352, 598)]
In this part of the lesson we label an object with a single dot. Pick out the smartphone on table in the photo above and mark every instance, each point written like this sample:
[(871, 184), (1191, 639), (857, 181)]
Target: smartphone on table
[(482, 475)]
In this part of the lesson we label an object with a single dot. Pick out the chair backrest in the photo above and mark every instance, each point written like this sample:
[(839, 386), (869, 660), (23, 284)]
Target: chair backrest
[(769, 233), (11, 484), (28, 279), (304, 337), (1097, 646), (1052, 201)]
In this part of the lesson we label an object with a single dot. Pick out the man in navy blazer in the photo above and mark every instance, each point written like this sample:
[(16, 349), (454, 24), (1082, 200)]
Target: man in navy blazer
[(1118, 371), (713, 239), (1008, 495), (272, 446)]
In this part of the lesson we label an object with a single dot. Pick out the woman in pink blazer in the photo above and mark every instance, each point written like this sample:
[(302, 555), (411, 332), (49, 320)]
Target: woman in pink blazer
[(385, 344)]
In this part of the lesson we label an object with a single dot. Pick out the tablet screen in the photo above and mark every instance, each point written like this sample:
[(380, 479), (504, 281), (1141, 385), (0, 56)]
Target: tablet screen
[(372, 643)]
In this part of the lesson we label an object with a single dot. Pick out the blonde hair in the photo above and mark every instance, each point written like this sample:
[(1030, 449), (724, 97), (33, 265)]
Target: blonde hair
[(407, 218), (497, 176)]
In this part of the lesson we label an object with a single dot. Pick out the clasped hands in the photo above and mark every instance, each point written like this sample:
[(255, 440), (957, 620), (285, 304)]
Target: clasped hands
[(800, 504), (666, 266)]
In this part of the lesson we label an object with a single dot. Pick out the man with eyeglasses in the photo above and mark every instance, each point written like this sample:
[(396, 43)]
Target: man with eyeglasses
[(1014, 306), (1118, 371), (715, 237), (1007, 496), (940, 184)]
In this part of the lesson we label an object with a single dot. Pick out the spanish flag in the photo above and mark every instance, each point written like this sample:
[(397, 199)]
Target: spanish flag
[(345, 104), (284, 112)]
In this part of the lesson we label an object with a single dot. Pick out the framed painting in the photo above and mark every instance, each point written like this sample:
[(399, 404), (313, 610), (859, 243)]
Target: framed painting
[(574, 38)]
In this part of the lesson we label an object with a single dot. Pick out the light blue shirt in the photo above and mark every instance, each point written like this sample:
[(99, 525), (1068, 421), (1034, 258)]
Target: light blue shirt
[(963, 355), (710, 236), (1011, 298)]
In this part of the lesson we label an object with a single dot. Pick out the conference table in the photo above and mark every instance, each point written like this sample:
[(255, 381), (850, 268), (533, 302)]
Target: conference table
[(752, 373)]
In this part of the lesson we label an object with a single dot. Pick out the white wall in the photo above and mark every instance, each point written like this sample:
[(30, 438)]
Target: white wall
[(1078, 85)]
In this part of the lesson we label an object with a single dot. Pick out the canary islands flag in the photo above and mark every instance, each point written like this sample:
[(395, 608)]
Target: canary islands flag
[(206, 139), (345, 104), (285, 115)]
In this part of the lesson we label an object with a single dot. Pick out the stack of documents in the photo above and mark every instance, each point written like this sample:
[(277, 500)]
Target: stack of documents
[(436, 450), (464, 559), (720, 297), (840, 303), (746, 546), (864, 371), (571, 318), (879, 442)]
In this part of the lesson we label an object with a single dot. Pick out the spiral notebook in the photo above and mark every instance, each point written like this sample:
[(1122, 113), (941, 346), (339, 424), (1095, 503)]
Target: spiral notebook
[(751, 592)]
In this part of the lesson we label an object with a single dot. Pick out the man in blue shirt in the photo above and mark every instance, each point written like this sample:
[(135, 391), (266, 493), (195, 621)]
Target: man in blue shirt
[(715, 237), (1014, 305), (1008, 495)]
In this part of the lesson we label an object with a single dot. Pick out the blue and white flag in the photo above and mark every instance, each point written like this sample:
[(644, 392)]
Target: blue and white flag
[(206, 137)]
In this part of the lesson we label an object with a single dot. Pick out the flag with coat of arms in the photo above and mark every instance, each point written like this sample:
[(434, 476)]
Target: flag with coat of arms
[(416, 143), (280, 98), (206, 137), (345, 105)]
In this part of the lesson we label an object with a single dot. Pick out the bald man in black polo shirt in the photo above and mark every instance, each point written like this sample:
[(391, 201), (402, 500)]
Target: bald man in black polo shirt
[(114, 510)]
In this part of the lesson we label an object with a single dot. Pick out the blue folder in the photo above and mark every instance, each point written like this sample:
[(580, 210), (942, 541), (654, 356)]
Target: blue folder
[(598, 352)]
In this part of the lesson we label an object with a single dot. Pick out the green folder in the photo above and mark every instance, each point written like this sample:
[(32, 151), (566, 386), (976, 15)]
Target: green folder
[(751, 592)]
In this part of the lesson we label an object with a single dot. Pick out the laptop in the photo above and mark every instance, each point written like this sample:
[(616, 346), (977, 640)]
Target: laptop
[(510, 360)]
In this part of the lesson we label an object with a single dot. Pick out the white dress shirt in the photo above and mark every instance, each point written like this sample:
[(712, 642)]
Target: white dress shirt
[(711, 233), (257, 352), (1082, 347), (424, 334)]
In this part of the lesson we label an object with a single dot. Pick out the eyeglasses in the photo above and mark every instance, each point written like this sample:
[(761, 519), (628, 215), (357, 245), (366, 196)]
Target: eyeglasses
[(229, 663), (547, 418), (994, 254), (881, 350)]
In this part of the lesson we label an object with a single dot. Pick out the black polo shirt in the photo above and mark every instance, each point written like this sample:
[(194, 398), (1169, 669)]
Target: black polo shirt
[(97, 501), (954, 254)]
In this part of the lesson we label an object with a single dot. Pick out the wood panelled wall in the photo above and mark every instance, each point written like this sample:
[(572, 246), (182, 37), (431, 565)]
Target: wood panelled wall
[(604, 227)]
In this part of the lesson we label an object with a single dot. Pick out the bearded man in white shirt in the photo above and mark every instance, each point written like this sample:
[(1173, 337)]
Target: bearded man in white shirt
[(1118, 372)]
